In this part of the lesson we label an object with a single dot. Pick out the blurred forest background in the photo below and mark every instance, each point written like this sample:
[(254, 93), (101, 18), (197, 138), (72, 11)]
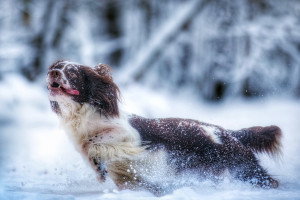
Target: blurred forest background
[(216, 49)]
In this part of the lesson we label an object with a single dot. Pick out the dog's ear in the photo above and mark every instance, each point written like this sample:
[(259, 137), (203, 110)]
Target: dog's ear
[(103, 92), (103, 70)]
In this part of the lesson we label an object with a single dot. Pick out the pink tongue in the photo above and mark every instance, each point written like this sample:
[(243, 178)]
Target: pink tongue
[(75, 92)]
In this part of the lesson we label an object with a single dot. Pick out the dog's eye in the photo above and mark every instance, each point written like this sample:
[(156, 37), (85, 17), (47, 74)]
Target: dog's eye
[(73, 75)]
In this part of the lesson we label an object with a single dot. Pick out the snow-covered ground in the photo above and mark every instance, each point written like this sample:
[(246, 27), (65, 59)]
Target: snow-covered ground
[(38, 162)]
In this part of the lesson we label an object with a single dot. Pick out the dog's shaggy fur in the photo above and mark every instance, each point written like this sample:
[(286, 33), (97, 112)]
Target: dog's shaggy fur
[(126, 147)]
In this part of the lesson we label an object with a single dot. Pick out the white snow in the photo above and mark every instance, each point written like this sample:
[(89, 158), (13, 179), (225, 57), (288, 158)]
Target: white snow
[(39, 162)]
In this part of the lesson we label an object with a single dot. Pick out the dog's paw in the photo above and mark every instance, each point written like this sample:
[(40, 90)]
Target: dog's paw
[(270, 183)]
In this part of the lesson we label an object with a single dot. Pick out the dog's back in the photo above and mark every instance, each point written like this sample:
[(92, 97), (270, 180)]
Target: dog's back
[(211, 149)]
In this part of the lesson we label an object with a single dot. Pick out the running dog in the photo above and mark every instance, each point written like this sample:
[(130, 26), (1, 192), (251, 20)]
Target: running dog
[(125, 147)]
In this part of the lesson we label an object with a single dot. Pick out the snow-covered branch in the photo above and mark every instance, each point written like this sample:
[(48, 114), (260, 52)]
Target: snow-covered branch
[(136, 67)]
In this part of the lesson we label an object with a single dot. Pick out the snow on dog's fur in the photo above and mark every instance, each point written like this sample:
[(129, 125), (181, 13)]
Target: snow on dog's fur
[(127, 148)]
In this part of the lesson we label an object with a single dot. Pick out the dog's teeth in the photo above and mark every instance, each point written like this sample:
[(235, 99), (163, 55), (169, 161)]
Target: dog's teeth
[(59, 86)]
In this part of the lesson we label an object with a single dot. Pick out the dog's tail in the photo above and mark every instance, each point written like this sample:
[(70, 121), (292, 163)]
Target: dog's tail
[(261, 139)]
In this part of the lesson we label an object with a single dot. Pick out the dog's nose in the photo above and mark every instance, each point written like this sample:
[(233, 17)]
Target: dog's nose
[(55, 74)]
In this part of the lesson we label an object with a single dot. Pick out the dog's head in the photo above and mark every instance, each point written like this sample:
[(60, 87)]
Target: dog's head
[(83, 84)]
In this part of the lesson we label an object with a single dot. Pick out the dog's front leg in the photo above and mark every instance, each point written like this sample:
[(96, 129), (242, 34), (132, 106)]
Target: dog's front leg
[(100, 168), (94, 158)]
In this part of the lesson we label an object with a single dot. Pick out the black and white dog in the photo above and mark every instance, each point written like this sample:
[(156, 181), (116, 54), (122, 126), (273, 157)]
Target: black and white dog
[(126, 147)]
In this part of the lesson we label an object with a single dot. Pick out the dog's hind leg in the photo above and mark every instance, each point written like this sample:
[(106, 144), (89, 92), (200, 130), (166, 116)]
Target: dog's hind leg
[(243, 165), (253, 173)]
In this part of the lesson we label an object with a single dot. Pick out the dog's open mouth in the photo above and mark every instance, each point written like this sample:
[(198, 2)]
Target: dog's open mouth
[(55, 86)]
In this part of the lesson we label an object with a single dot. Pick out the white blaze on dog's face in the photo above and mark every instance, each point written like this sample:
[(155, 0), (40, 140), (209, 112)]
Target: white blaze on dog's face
[(83, 84), (61, 80)]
